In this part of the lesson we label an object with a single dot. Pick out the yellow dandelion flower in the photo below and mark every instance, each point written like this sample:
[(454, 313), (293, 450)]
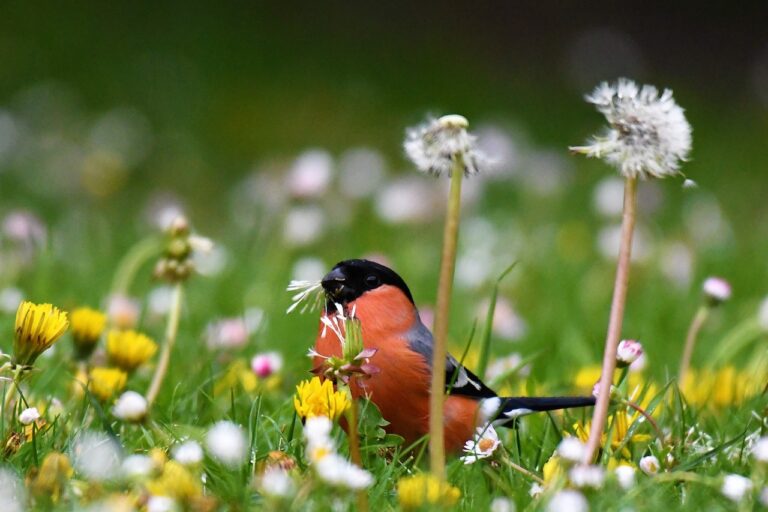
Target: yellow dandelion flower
[(620, 422), (52, 477), (553, 470), (87, 326), (38, 326), (720, 388), (106, 382), (129, 349), (316, 397), (238, 374), (424, 489), (176, 482)]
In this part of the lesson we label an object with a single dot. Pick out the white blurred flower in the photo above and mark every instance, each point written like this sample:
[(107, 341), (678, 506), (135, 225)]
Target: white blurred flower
[(123, 311), (24, 227), (162, 210), (407, 200), (547, 172), (536, 490), (188, 453), (304, 225), (648, 135), (649, 464), (29, 416), (317, 429), (764, 497), (504, 365), (608, 196), (310, 174), (735, 487), (159, 301), (433, 145), (267, 363), (10, 298), (628, 352), (716, 289), (277, 483), (211, 262), (12, 492), (676, 263), (504, 146), (704, 220), (625, 475), (502, 505), (609, 238), (568, 500), (482, 445), (226, 443), (583, 476), (338, 471), (308, 269), (571, 450), (760, 450), (362, 172), (137, 466), (507, 322), (226, 334), (131, 406), (96, 456), (162, 504)]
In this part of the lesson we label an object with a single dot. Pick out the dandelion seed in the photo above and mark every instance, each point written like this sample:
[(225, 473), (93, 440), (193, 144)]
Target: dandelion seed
[(29, 416), (309, 292), (571, 449), (650, 465), (434, 145), (735, 487), (690, 184), (482, 446), (131, 406), (129, 349), (96, 456), (226, 443), (627, 352), (648, 135), (38, 326), (716, 290), (276, 483), (188, 453), (568, 500), (625, 475)]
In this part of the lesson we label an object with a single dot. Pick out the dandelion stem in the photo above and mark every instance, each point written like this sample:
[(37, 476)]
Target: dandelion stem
[(447, 267), (690, 342), (172, 329), (616, 318), (648, 417), (354, 448)]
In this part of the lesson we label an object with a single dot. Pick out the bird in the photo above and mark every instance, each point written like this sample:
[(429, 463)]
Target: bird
[(391, 325)]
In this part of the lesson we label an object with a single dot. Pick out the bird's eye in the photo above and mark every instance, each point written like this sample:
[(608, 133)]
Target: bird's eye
[(372, 281)]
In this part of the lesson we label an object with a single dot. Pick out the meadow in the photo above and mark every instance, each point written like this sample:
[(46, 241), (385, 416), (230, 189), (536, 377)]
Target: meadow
[(91, 201)]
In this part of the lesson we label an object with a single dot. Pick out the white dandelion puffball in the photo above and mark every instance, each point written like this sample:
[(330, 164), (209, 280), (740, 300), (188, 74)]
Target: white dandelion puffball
[(760, 450), (434, 145), (716, 289), (735, 487), (650, 465), (131, 406), (571, 449), (568, 500), (625, 475), (648, 134), (29, 416), (226, 443), (276, 482), (96, 456), (188, 453)]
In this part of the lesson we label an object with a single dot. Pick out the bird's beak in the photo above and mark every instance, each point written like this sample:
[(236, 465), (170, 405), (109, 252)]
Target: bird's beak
[(333, 283)]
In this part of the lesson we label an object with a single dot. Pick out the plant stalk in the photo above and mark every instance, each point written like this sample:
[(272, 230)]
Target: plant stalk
[(354, 448), (690, 341), (616, 318), (442, 311), (171, 331)]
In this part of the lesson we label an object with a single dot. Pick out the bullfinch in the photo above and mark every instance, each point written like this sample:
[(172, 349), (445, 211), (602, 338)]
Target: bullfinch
[(391, 324)]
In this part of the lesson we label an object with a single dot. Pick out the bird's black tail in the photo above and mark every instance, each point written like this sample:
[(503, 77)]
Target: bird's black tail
[(512, 408)]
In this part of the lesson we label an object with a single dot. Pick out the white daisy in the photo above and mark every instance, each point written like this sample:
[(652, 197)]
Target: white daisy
[(648, 135), (482, 446)]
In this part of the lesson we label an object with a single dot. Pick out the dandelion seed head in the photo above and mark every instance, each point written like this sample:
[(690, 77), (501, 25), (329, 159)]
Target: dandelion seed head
[(96, 456), (309, 295), (188, 453), (434, 145), (648, 134), (226, 443)]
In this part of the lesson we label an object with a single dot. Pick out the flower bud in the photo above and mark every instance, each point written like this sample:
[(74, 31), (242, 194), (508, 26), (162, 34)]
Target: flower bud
[(628, 352), (716, 290)]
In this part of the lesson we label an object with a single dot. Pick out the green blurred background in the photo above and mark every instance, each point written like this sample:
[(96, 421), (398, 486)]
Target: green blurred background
[(113, 114)]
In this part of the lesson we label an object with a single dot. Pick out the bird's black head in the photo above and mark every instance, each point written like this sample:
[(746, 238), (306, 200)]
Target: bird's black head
[(351, 278)]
